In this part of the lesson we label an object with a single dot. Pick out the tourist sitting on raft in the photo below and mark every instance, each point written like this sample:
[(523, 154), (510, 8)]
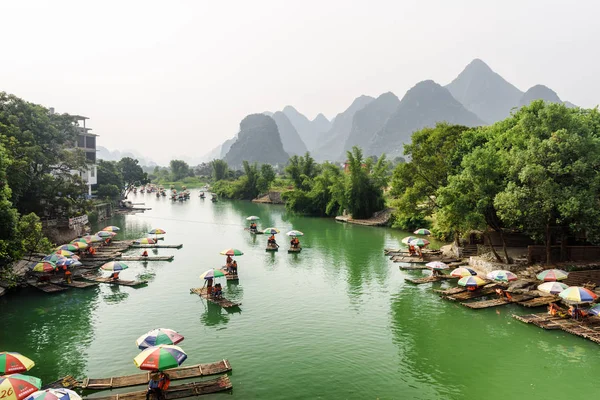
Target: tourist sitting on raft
[(91, 251), (253, 227), (555, 311), (115, 276), (228, 262), (503, 294), (145, 253), (272, 241), (218, 292), (209, 286), (233, 268), (577, 313), (295, 243)]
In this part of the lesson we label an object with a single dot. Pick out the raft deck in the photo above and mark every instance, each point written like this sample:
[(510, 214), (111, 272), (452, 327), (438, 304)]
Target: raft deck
[(467, 295), (451, 291), (272, 248), (587, 329), (113, 282), (76, 284), (477, 305), (193, 371), (178, 392), (47, 287), (426, 258), (147, 258), (223, 302), (294, 250), (539, 301), (156, 246), (67, 382), (428, 279)]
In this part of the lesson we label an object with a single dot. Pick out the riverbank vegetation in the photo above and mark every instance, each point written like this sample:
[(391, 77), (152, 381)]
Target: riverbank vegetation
[(536, 172), (37, 161)]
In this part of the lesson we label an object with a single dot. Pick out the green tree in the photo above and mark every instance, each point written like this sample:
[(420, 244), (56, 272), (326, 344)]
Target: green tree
[(31, 236), (109, 173), (132, 172), (267, 176), (302, 170), (363, 195), (8, 215), (179, 169), (109, 191), (220, 169)]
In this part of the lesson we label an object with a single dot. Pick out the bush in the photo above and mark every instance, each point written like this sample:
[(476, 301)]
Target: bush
[(109, 192)]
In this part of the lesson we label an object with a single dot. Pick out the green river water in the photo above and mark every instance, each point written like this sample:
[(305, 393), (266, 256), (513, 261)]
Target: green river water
[(334, 322)]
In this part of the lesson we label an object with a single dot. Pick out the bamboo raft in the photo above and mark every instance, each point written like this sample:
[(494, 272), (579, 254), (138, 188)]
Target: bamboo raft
[(47, 287), (156, 246), (589, 329), (272, 248), (427, 279), (223, 302), (295, 250), (539, 301), (228, 276), (254, 233), (400, 252), (113, 282), (466, 295), (413, 267), (193, 371), (178, 392), (426, 258), (451, 291), (147, 258), (76, 284), (477, 305)]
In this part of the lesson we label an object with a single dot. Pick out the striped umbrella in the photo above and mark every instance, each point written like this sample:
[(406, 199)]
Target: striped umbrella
[(159, 358), (470, 281), (595, 310), (578, 294), (145, 241), (157, 231), (54, 394), (68, 247), (271, 231), (53, 258), (419, 242), (422, 231), (65, 253), (462, 271), (501, 275), (69, 262), (232, 252), (93, 238), (114, 266), (552, 287), (80, 239), (408, 239), (80, 245), (12, 363), (212, 273), (295, 233), (44, 266), (18, 387), (111, 228), (436, 265), (253, 218), (157, 337), (550, 275), (105, 234)]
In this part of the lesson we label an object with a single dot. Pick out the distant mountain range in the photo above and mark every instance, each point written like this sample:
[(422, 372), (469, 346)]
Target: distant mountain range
[(477, 96), (105, 154)]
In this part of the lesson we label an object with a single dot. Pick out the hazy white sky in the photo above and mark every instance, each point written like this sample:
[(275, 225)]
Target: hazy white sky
[(174, 78)]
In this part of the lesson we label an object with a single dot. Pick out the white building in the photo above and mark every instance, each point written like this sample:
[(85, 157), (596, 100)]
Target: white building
[(87, 142)]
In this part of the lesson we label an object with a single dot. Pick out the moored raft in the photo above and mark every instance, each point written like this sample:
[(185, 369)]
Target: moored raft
[(590, 329), (539, 301), (223, 302), (467, 295), (156, 246), (451, 291), (294, 249), (113, 282), (477, 305), (192, 371), (76, 284), (148, 258), (427, 279), (178, 392), (47, 287)]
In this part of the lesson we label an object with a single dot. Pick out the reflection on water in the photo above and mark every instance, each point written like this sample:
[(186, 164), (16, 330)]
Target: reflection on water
[(213, 315), (112, 294)]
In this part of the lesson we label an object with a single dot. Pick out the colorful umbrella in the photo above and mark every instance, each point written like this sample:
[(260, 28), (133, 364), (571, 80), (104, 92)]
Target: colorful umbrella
[(112, 228), (114, 266), (271, 231), (105, 234), (462, 271), (161, 357), (253, 218), (80, 245), (212, 273), (18, 387), (12, 363), (501, 275), (419, 242), (93, 238), (408, 239), (157, 337), (436, 265), (552, 287), (595, 310), (68, 247), (54, 394), (295, 233), (232, 252), (145, 241), (69, 262), (157, 231), (81, 239), (422, 231), (44, 266), (65, 253), (54, 258), (550, 275), (470, 281), (578, 294)]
